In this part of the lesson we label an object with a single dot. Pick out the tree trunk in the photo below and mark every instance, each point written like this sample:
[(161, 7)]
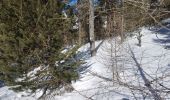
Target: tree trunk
[(79, 22), (122, 29), (80, 32), (122, 35), (91, 28)]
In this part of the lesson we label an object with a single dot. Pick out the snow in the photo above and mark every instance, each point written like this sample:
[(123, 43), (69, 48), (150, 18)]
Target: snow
[(166, 20), (32, 73), (95, 75), (6, 94)]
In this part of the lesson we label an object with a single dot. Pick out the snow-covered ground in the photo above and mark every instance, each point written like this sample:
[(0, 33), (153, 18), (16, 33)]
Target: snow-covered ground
[(97, 81)]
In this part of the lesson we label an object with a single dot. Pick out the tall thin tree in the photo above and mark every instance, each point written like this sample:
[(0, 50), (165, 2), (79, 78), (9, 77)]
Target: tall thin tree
[(91, 28)]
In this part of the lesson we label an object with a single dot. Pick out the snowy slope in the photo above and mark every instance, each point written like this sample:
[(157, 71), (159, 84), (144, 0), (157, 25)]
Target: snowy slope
[(153, 56), (96, 76)]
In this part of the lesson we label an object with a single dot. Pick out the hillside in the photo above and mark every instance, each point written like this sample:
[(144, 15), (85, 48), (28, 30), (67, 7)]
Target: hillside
[(113, 74)]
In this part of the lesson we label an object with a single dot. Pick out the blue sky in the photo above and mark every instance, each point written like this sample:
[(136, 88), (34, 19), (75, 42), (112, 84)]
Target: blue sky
[(73, 2)]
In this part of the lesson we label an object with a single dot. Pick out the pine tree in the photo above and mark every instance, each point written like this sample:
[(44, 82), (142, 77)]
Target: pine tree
[(31, 36)]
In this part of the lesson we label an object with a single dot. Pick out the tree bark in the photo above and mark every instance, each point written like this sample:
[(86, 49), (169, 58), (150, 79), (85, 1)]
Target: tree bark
[(91, 28), (122, 29), (79, 22)]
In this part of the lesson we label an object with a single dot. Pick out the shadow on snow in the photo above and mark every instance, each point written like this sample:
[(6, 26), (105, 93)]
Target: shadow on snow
[(165, 32)]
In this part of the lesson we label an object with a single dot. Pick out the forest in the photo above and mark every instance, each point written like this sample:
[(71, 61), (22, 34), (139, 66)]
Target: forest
[(84, 49)]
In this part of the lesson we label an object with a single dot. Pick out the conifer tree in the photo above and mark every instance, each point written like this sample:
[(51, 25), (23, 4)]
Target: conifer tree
[(31, 38)]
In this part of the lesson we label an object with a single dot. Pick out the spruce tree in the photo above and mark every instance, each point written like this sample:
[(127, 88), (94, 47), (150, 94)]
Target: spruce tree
[(31, 38)]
